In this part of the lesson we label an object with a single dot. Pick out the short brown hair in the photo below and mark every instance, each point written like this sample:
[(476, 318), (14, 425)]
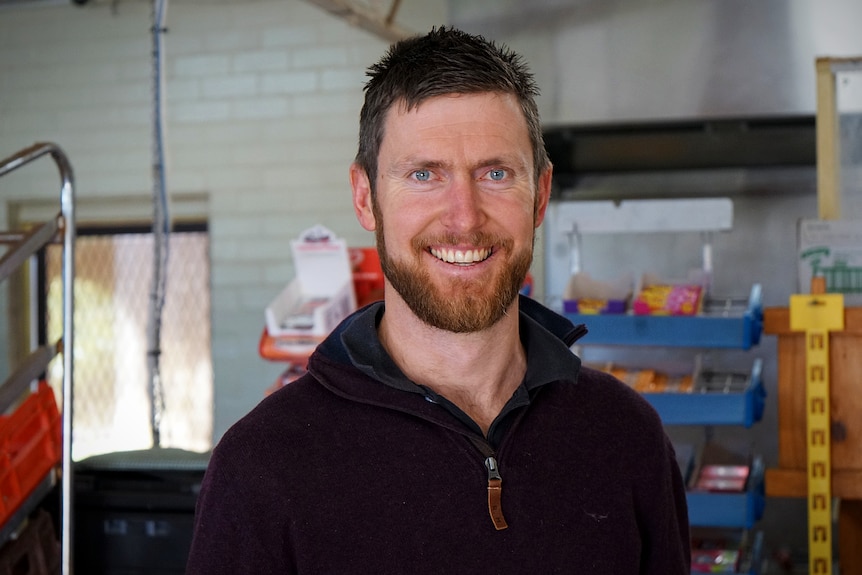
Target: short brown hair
[(444, 61)]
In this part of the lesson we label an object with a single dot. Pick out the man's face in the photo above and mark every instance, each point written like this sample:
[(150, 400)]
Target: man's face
[(457, 192)]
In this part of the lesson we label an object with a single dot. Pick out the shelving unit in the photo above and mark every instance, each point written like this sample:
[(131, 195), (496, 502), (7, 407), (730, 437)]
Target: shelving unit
[(733, 323), (721, 399), (731, 510), (367, 277), (742, 405), (707, 398), (37, 437), (796, 474), (740, 402), (790, 477)]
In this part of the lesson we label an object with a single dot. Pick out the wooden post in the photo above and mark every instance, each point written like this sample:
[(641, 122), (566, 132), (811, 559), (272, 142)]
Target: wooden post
[(828, 151)]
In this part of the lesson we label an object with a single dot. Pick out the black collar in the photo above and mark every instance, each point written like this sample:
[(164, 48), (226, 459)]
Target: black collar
[(548, 356)]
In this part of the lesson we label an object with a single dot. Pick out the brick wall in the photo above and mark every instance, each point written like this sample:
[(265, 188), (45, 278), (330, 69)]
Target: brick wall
[(262, 101)]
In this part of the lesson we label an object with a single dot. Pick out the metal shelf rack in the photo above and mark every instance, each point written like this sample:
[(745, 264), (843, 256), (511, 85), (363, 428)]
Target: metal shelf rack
[(21, 246)]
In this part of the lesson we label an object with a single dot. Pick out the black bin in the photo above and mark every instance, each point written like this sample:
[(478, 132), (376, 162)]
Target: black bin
[(133, 512)]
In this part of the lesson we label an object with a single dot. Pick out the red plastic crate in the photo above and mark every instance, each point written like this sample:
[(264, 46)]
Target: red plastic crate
[(30, 447)]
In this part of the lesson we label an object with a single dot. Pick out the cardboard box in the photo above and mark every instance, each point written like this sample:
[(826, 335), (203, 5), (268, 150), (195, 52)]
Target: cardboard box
[(321, 294)]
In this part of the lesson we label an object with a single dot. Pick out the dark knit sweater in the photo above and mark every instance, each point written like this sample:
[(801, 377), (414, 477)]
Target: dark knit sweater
[(353, 469)]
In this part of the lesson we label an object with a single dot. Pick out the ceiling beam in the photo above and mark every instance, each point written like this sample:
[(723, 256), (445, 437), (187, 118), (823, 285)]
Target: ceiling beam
[(358, 14)]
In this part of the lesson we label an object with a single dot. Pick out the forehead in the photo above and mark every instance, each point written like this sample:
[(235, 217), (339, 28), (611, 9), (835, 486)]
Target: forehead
[(483, 117), (401, 107)]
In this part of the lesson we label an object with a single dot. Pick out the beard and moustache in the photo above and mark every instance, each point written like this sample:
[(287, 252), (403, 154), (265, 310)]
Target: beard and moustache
[(469, 306)]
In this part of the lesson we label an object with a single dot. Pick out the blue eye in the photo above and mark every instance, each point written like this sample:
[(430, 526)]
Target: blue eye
[(422, 175), (497, 174)]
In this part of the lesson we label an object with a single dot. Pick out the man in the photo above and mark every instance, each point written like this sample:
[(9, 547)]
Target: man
[(449, 428)]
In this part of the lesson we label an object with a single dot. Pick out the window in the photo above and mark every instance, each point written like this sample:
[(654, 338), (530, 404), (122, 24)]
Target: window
[(112, 395)]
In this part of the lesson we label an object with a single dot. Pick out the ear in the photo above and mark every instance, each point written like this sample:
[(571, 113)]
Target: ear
[(361, 186), (544, 194)]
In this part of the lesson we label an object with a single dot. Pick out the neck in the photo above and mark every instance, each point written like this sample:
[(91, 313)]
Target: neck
[(477, 371)]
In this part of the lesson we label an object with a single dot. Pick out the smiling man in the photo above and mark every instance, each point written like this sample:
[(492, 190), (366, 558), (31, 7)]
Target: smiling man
[(458, 190), (448, 428)]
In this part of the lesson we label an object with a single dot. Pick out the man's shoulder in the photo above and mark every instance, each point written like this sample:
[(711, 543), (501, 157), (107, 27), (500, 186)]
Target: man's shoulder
[(278, 416), (616, 394)]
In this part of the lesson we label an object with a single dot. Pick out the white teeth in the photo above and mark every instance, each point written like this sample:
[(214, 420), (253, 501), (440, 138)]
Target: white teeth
[(461, 257)]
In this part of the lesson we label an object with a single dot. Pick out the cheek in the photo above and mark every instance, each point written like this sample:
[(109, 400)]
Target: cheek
[(407, 218), (521, 213), (394, 227)]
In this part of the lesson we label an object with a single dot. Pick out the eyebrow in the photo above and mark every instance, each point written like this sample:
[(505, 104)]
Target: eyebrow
[(413, 162), (418, 163)]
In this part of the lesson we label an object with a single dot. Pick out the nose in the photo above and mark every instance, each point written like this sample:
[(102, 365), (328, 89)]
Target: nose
[(464, 210)]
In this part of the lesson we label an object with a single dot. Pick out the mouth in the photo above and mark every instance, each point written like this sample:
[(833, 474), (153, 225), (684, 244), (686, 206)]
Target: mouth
[(461, 257)]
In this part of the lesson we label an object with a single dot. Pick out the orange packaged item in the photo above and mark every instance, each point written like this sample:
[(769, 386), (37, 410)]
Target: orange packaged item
[(668, 299), (291, 349)]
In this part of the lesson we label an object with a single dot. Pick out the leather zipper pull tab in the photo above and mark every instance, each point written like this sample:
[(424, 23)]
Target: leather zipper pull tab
[(495, 492)]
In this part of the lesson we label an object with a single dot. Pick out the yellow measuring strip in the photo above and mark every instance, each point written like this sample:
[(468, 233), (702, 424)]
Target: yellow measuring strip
[(818, 314)]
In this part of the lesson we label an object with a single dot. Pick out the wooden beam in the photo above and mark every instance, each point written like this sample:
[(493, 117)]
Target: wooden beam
[(828, 150), (829, 134), (782, 482), (358, 14)]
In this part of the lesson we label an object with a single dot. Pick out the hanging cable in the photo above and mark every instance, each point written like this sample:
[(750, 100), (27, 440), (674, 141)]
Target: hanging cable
[(161, 228)]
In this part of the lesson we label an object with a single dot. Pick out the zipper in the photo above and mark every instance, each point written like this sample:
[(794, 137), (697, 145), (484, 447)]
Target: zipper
[(495, 484), (495, 494)]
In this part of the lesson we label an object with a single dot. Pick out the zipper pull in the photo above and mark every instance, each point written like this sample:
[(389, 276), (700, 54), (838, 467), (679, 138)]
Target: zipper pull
[(495, 489)]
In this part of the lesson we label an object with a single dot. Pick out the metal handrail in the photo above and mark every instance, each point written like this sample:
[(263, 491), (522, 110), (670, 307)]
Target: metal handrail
[(67, 211)]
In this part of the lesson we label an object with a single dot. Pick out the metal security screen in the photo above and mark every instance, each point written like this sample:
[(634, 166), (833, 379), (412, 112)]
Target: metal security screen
[(113, 277)]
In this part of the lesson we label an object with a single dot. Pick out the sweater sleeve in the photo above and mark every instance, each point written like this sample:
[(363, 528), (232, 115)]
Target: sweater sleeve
[(664, 517), (238, 529)]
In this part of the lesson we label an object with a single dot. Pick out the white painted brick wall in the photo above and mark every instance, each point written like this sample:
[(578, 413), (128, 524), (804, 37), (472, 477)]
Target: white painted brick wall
[(261, 61), (200, 65), (262, 101), (79, 77), (290, 82)]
